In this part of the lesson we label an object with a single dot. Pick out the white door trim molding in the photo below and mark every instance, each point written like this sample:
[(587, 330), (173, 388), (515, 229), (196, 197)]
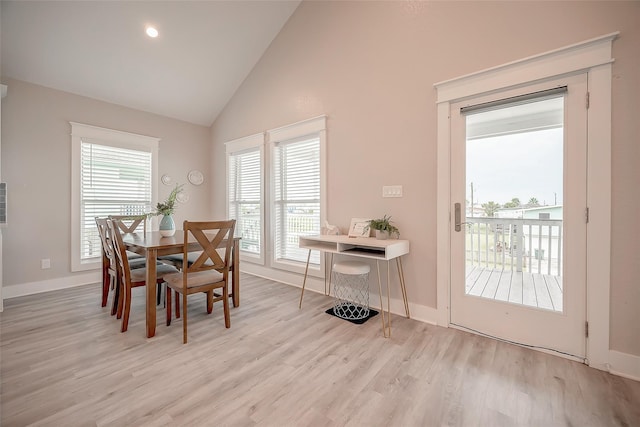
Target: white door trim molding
[(594, 58)]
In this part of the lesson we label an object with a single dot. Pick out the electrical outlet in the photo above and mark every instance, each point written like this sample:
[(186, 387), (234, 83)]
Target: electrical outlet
[(45, 263), (392, 191)]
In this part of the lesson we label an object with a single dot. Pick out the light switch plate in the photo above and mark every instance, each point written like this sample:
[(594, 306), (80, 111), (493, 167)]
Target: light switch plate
[(392, 191)]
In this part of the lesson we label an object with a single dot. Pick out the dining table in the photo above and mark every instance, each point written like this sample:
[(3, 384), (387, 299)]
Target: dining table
[(153, 244)]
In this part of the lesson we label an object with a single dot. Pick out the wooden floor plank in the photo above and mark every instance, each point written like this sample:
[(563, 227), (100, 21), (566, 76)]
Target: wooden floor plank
[(480, 283), (492, 284), (542, 293), (529, 296), (502, 293), (533, 290), (554, 291), (515, 293), (472, 274), (63, 362)]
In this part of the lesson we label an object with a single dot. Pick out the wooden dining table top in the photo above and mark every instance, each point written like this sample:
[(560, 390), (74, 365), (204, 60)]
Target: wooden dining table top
[(164, 245)]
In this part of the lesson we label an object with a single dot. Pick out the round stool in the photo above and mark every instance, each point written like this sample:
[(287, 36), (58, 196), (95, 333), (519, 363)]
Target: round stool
[(351, 289)]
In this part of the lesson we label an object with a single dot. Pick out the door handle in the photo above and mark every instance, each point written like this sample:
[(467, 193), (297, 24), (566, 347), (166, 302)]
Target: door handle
[(457, 214)]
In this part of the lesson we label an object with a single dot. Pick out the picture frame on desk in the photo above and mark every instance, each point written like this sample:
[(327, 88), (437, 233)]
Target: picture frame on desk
[(359, 227)]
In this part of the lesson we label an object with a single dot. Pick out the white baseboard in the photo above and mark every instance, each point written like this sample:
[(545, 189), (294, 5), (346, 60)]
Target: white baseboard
[(31, 288), (624, 364)]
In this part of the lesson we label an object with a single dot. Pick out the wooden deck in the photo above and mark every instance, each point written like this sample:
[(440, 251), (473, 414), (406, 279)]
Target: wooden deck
[(533, 290)]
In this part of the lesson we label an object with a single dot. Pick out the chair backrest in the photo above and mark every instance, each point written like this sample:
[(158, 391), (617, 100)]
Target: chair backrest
[(120, 250), (130, 223), (108, 252), (211, 235)]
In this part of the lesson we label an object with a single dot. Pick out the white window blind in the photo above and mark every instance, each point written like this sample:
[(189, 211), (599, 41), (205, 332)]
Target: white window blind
[(296, 192), (114, 181), (245, 198)]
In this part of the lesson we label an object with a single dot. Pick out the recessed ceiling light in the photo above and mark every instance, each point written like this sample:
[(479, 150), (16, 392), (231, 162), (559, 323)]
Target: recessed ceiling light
[(152, 32)]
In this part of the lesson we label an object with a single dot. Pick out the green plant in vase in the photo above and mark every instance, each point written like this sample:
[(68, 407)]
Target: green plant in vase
[(166, 209), (383, 227)]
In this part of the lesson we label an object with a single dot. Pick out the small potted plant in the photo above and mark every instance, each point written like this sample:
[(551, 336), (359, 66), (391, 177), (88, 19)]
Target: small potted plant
[(383, 227), (166, 209)]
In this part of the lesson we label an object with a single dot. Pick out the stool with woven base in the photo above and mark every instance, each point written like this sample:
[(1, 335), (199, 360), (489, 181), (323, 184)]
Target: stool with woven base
[(351, 290)]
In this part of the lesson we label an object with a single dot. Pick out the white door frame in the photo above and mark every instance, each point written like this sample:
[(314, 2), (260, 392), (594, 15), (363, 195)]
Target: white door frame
[(594, 58), (3, 93)]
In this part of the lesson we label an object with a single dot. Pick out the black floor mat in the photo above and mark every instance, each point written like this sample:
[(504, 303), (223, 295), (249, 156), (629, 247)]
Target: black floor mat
[(356, 321)]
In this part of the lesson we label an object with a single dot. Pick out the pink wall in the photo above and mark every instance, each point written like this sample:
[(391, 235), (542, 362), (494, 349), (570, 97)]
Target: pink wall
[(370, 67), (36, 164)]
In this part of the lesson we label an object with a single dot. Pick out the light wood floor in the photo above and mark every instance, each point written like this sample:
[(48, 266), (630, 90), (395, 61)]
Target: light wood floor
[(533, 290), (65, 363)]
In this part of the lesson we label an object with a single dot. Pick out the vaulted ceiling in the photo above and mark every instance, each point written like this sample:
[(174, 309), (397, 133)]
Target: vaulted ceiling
[(99, 49)]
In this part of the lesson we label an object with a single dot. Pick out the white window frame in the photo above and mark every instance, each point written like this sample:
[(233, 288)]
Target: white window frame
[(316, 127), (594, 58), (237, 146), (114, 138)]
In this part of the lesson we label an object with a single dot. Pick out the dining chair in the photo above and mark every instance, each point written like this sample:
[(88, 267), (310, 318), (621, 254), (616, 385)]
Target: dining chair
[(209, 271), (130, 278), (109, 269), (130, 223), (177, 260), (110, 277)]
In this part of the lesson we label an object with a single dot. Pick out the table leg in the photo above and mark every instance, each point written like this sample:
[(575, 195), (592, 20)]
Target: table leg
[(389, 297), (236, 275), (152, 257), (403, 286), (304, 281), (384, 323), (327, 273)]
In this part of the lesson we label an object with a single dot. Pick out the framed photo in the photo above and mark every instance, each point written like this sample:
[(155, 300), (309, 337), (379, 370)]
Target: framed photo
[(359, 227)]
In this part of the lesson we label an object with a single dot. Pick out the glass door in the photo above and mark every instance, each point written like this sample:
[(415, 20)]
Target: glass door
[(518, 235)]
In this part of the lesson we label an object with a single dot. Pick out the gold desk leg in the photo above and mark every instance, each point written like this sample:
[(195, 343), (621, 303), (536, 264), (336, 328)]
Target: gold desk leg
[(384, 324), (304, 281), (389, 297), (330, 269), (403, 286)]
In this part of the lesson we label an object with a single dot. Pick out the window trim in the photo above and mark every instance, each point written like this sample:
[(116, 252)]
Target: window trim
[(249, 143), (110, 137), (315, 126)]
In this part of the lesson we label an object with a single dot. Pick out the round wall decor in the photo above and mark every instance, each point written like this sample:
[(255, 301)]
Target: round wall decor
[(195, 177)]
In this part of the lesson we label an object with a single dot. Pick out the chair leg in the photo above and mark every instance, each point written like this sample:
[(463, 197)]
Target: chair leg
[(177, 305), (159, 294), (116, 294), (127, 309), (225, 301), (119, 299), (209, 302), (184, 317), (167, 302), (106, 284)]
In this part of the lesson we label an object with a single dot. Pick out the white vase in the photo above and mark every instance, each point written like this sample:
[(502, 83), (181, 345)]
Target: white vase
[(167, 226), (382, 234)]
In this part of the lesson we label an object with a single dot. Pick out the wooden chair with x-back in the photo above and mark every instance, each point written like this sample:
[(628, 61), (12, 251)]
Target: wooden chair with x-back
[(109, 263), (208, 272), (129, 278)]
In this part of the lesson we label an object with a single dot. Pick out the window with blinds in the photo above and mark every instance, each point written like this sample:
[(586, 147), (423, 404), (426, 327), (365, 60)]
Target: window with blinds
[(275, 192), (245, 198), (296, 196), (112, 173), (114, 181)]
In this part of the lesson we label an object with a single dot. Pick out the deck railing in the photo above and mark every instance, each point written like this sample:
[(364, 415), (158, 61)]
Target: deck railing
[(533, 245)]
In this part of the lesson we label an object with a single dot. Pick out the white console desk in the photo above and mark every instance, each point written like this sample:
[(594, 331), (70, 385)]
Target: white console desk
[(363, 247)]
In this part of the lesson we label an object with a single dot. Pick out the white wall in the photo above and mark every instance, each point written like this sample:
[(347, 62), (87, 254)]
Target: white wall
[(36, 164), (370, 67)]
